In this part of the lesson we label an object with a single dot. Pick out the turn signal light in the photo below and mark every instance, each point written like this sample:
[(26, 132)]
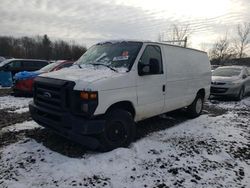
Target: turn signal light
[(93, 96), (86, 95)]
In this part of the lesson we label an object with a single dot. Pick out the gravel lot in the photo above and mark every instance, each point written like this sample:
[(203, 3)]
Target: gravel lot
[(170, 151)]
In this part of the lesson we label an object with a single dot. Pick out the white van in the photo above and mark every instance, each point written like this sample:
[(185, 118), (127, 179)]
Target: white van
[(117, 83)]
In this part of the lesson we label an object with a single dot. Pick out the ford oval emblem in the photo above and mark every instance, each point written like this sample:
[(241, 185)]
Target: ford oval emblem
[(47, 95)]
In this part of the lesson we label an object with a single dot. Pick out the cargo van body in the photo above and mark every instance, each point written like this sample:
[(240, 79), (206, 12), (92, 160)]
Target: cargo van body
[(84, 100)]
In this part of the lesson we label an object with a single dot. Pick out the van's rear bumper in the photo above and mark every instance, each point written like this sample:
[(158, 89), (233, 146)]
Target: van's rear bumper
[(70, 126)]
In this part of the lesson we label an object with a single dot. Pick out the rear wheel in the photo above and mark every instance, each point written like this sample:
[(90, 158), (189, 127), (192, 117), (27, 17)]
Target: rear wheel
[(241, 94), (119, 130), (195, 109)]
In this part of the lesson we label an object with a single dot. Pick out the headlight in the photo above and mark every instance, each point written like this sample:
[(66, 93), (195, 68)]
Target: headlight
[(85, 102), (234, 83)]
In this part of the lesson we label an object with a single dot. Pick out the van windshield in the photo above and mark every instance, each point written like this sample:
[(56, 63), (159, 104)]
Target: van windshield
[(114, 55), (226, 72)]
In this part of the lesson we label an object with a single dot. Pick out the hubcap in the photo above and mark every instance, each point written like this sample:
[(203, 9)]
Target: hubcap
[(198, 106), (117, 132)]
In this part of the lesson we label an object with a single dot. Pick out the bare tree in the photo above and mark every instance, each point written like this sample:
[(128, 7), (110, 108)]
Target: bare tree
[(222, 51), (243, 31), (178, 35)]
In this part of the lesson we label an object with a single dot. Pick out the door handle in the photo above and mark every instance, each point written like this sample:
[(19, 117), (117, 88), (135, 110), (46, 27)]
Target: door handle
[(163, 88)]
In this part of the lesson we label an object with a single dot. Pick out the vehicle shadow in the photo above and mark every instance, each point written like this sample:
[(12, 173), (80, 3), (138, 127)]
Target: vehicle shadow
[(161, 122)]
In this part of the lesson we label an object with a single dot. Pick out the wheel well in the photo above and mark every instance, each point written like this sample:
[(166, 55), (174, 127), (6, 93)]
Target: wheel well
[(125, 105), (201, 92)]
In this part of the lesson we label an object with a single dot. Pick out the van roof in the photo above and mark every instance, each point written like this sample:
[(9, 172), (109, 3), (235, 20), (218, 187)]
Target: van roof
[(148, 41)]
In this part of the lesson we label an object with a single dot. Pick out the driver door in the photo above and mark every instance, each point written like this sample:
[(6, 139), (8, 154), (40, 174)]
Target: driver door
[(151, 84)]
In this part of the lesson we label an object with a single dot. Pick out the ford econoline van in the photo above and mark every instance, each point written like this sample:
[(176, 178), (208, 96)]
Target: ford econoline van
[(115, 84)]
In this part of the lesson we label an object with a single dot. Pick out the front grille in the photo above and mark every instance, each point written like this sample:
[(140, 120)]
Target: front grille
[(218, 83), (52, 94), (218, 90)]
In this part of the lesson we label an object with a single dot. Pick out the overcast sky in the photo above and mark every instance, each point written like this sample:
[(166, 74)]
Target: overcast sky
[(91, 21)]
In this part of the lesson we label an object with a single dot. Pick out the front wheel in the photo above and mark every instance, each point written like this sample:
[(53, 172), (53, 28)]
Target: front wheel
[(119, 130), (195, 109)]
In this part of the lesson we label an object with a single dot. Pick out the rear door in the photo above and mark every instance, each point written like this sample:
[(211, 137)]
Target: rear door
[(151, 87)]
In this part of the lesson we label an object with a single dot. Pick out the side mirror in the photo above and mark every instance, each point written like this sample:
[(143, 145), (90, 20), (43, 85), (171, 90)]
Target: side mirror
[(244, 76), (151, 68)]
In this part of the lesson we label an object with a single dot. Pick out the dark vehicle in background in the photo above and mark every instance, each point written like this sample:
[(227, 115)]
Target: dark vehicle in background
[(23, 81), (17, 65), (232, 81)]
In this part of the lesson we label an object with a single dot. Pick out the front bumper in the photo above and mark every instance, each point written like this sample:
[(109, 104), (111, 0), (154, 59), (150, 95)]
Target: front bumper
[(225, 90), (73, 127)]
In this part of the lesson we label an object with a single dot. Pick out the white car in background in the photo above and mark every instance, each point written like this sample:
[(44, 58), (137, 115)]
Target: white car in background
[(232, 81)]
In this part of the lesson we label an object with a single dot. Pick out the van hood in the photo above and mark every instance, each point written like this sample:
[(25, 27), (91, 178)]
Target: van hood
[(224, 79), (84, 76)]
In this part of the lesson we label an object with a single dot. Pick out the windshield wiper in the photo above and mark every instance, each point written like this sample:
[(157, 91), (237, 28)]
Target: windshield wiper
[(105, 66)]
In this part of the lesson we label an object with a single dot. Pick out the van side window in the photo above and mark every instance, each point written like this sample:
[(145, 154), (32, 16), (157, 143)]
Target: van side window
[(152, 55)]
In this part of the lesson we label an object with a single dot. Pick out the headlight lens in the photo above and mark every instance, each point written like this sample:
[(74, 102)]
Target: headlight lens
[(235, 83)]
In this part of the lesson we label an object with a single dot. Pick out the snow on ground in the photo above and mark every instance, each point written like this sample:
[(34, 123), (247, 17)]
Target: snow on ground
[(20, 126), (203, 152), (20, 110), (229, 105), (12, 102)]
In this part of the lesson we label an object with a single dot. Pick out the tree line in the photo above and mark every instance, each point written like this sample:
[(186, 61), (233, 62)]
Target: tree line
[(225, 49), (39, 47)]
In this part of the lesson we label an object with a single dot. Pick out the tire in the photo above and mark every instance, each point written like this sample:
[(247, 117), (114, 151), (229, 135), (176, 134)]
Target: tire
[(119, 130), (195, 109), (241, 94)]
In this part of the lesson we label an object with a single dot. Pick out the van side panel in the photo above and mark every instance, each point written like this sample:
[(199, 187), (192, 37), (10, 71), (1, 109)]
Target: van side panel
[(188, 71)]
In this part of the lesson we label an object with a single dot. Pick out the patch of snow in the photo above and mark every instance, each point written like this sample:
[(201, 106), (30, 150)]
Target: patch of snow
[(14, 102), (236, 105), (21, 126), (20, 110)]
